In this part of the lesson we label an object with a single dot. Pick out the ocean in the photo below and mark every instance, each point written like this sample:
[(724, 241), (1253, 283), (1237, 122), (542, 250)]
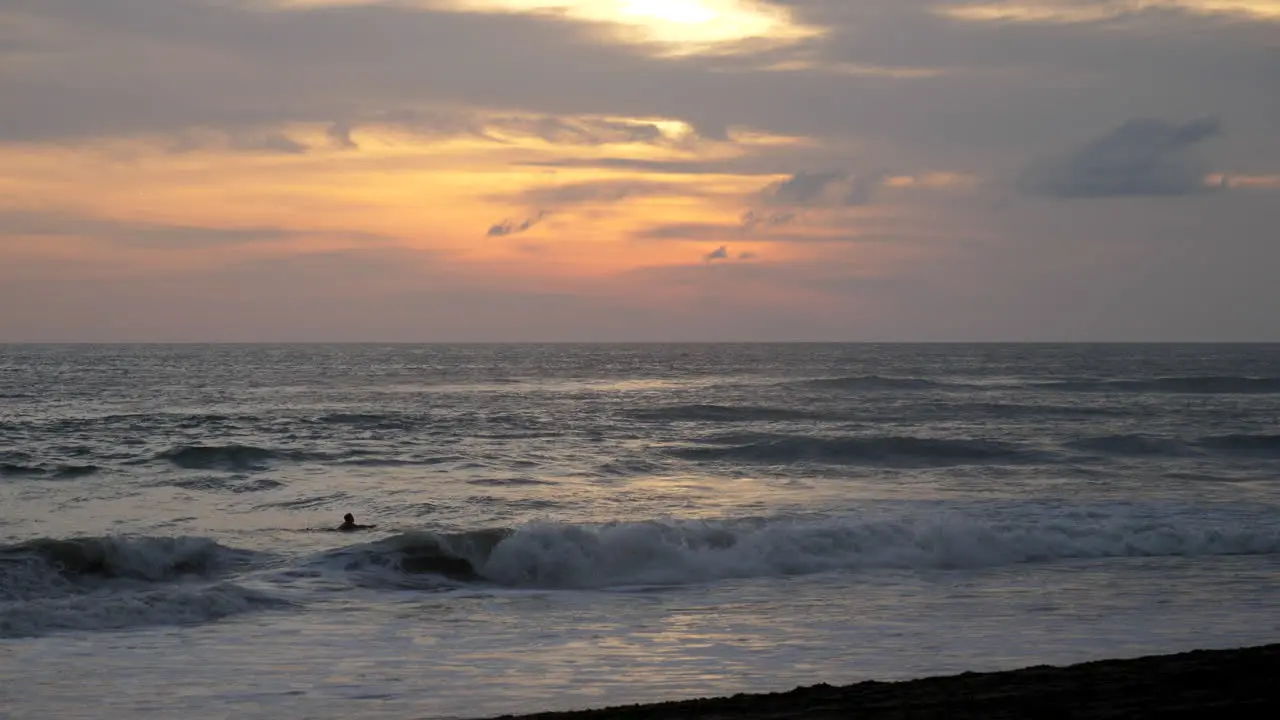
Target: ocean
[(572, 526)]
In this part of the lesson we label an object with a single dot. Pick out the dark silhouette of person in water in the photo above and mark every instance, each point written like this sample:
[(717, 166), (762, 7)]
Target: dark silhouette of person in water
[(349, 523)]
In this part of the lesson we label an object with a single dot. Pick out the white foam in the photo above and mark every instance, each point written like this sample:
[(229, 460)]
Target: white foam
[(556, 555)]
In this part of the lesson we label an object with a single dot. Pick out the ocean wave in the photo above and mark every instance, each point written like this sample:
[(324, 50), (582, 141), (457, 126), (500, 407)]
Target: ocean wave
[(66, 472), (1192, 385), (1037, 411), (1138, 445), (59, 472), (717, 413), (400, 462), (232, 484), (19, 470), (403, 560), (888, 450), (625, 554), (175, 605), (228, 457), (663, 553), (509, 482), (1241, 442), (377, 421), (35, 566), (626, 466), (870, 383)]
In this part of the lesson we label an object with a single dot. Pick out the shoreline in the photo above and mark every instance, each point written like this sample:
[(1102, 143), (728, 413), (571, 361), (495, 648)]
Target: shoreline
[(1242, 682)]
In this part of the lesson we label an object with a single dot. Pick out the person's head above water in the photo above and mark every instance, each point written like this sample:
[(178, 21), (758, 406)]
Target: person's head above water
[(349, 523)]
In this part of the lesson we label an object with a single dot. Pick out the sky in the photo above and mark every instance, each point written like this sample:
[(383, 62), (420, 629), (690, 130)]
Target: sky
[(621, 170)]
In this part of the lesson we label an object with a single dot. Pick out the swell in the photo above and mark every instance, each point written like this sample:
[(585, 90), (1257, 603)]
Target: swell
[(892, 450), (59, 472), (870, 383), (231, 457), (1191, 384), (1266, 444), (718, 413), (175, 605), (1145, 445), (1132, 445), (251, 458), (376, 421), (1175, 384)]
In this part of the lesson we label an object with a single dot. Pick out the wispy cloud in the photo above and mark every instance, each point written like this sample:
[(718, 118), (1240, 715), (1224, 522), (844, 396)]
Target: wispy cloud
[(154, 235), (752, 219)]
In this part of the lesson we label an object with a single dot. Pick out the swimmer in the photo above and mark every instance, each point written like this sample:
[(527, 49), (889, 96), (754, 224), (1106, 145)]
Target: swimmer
[(349, 523)]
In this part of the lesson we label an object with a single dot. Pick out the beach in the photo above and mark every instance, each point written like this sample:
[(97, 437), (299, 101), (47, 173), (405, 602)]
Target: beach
[(1203, 683)]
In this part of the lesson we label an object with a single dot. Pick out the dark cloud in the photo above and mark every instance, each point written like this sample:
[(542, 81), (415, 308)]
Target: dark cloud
[(578, 131), (275, 142), (604, 191), (510, 227), (659, 167), (723, 254), (824, 189), (158, 66), (339, 133), (1141, 157)]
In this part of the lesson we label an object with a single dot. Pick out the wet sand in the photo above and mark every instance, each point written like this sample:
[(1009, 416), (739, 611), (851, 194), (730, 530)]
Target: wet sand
[(1204, 683)]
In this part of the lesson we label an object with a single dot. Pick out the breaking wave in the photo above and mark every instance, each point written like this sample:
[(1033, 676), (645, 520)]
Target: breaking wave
[(47, 561), (859, 450), (104, 583), (416, 559), (555, 555)]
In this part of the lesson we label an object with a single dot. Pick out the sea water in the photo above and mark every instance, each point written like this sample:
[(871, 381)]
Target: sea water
[(568, 526)]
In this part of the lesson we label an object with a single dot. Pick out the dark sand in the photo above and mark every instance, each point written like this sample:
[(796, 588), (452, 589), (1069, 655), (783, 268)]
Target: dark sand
[(1199, 684)]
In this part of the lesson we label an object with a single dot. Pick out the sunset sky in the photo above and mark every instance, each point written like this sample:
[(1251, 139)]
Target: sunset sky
[(613, 170)]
